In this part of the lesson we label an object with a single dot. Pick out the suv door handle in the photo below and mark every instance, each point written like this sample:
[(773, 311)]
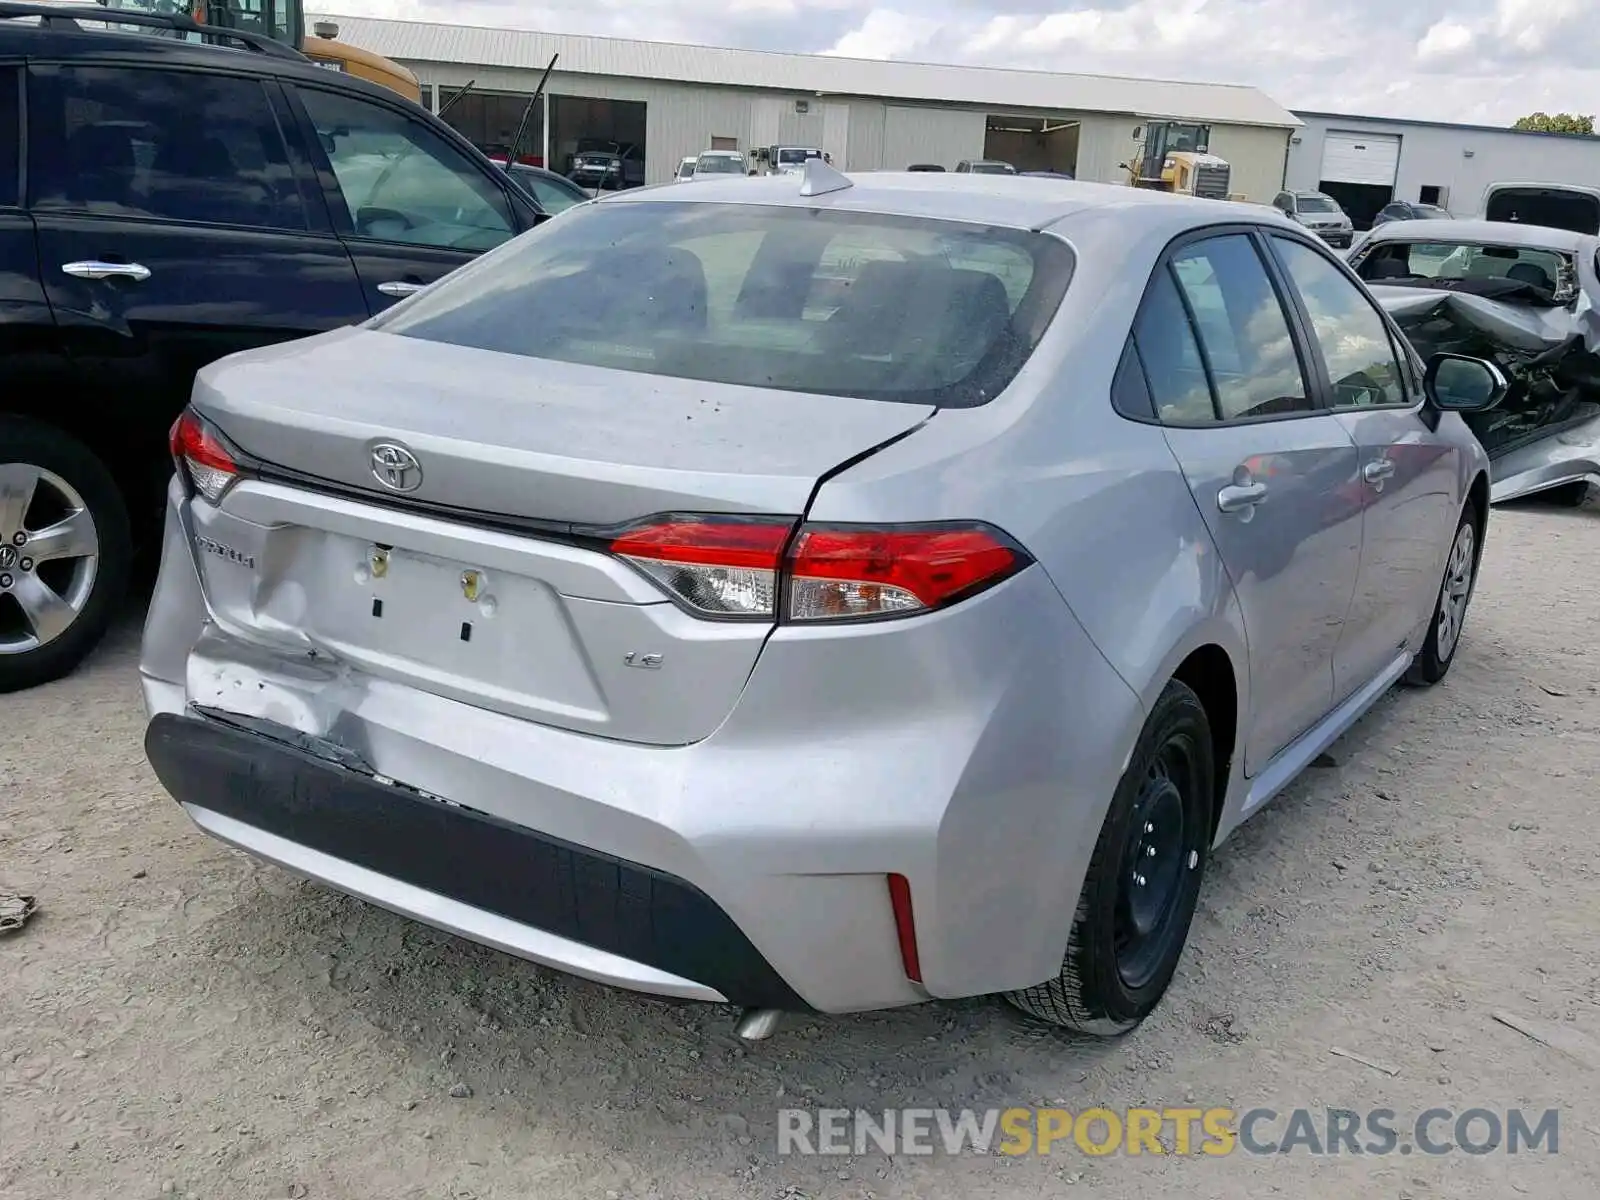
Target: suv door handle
[(93, 269), (399, 287), (1238, 497), (1377, 470)]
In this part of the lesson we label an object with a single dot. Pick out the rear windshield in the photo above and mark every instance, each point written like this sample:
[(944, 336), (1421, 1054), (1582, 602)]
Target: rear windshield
[(1554, 208), (797, 156), (1315, 204), (830, 303), (993, 168), (1548, 271)]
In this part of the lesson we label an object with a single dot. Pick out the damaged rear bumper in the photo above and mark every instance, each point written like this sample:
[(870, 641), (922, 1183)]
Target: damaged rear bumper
[(463, 871)]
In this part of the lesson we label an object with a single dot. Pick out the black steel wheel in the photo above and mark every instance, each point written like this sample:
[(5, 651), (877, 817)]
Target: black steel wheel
[(1144, 879)]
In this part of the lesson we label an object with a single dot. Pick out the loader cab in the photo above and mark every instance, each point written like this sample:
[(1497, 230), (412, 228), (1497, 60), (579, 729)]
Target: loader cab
[(1161, 138)]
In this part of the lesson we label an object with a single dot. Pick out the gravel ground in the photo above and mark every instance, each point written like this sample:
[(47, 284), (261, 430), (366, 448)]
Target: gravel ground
[(177, 1019)]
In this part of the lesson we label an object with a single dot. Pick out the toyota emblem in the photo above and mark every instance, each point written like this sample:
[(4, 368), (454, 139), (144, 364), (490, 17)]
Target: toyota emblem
[(396, 467)]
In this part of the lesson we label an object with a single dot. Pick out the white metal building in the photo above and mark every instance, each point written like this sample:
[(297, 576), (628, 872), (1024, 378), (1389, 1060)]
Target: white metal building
[(1364, 162), (678, 100)]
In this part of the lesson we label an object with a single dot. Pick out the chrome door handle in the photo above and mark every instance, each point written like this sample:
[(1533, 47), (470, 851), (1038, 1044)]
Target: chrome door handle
[(1237, 497), (398, 288), (1377, 470), (93, 269)]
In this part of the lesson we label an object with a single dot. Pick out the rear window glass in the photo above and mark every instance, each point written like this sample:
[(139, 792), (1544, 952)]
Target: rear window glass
[(1547, 270), (832, 303)]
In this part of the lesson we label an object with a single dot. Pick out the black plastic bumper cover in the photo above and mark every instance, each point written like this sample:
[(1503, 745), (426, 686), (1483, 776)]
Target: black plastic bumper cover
[(608, 903)]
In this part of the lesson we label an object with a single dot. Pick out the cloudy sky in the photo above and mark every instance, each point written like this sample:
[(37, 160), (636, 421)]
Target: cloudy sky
[(1480, 61)]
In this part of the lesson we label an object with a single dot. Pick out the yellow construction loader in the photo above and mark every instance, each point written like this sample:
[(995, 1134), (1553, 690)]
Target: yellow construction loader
[(1175, 156)]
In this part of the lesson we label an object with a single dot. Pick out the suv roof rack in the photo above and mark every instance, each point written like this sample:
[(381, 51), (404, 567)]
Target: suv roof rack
[(61, 17)]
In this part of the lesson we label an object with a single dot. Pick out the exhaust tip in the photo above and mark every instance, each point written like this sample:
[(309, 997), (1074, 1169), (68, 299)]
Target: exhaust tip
[(758, 1024)]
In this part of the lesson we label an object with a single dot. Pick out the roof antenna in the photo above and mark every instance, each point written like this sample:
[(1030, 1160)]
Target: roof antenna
[(820, 179)]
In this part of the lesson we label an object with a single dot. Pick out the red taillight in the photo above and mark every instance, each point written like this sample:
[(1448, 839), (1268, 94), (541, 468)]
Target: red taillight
[(905, 927), (202, 456), (736, 567), (851, 572), (725, 567)]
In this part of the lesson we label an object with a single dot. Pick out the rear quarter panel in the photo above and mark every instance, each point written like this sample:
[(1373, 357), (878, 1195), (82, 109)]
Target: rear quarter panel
[(1099, 502)]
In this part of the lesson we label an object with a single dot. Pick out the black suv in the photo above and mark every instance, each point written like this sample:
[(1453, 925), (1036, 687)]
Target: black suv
[(164, 201)]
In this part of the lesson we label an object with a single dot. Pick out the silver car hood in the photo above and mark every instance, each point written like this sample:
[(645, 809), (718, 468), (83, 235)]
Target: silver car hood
[(1547, 431)]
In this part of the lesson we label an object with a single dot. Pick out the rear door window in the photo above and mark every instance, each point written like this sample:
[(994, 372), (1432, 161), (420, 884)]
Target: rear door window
[(401, 182), (1175, 374), (892, 308), (130, 142), (1255, 367), (1362, 363)]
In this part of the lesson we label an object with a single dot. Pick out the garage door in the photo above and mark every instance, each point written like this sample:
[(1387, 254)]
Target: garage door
[(1360, 158)]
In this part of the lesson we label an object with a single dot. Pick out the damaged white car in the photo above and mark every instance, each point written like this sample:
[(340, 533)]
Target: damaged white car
[(1528, 298)]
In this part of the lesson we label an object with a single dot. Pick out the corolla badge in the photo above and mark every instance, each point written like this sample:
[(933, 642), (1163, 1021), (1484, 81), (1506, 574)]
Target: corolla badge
[(396, 467)]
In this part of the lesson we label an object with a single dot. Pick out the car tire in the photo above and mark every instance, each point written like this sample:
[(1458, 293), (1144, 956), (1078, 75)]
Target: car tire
[(1439, 648), (63, 475), (1161, 819), (1568, 495)]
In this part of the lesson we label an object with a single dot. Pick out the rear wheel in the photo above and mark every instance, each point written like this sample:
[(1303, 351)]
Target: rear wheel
[(1450, 610), (1143, 883), (64, 552)]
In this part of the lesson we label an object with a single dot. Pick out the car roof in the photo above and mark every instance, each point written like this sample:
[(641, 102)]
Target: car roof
[(1012, 201), (1493, 233)]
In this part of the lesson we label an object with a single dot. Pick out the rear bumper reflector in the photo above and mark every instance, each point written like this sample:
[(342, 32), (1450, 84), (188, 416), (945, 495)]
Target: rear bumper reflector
[(900, 900)]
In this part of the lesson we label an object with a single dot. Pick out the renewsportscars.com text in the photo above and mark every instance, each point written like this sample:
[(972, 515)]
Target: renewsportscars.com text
[(1203, 1132)]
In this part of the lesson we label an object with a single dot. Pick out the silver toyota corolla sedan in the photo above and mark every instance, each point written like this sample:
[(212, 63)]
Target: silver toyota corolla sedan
[(813, 593)]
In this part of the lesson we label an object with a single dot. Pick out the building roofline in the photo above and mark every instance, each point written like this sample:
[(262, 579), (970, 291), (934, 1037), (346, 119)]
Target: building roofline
[(1268, 112), (1304, 114)]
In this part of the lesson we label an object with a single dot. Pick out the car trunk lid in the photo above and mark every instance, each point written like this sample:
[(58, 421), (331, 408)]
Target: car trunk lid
[(485, 581)]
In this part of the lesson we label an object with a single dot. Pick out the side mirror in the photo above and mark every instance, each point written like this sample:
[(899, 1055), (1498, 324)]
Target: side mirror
[(1459, 383)]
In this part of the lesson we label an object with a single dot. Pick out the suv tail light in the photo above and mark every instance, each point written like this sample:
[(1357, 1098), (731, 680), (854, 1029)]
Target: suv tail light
[(201, 456), (761, 567)]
